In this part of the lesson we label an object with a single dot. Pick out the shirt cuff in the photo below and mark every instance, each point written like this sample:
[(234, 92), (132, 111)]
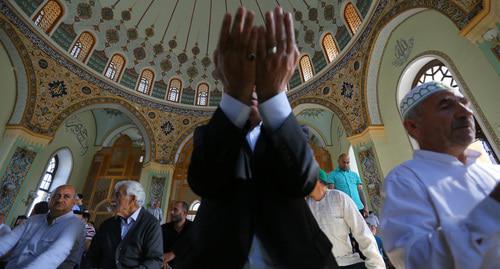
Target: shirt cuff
[(275, 110), (236, 111), (488, 211)]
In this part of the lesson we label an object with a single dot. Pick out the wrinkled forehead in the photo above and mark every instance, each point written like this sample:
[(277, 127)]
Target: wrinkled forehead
[(65, 190)]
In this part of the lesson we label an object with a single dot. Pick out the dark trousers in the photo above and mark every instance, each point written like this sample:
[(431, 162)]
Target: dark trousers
[(360, 265)]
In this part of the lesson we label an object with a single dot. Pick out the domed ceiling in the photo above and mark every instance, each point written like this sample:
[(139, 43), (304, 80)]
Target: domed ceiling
[(176, 38)]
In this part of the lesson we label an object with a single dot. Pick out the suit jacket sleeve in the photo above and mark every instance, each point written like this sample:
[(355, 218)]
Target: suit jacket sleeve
[(216, 147)]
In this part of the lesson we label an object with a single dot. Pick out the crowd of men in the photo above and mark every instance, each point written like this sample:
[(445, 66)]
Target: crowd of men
[(265, 202)]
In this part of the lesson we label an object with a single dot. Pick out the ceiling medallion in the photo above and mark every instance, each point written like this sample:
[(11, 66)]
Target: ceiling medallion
[(195, 50), (139, 53), (313, 14), (151, 115), (43, 63), (185, 121), (158, 49), (132, 34), (112, 36), (165, 65), (150, 32), (182, 58), (206, 61), (167, 128), (107, 13), (126, 15), (57, 88), (172, 43), (84, 11), (86, 90), (356, 65), (326, 90), (347, 90)]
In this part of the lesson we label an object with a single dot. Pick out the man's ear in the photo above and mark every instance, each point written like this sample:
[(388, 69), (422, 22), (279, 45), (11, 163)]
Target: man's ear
[(412, 127)]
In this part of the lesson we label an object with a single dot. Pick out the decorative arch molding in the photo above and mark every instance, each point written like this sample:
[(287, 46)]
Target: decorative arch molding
[(381, 32), (308, 102), (182, 140), (23, 71), (114, 103), (114, 134), (371, 76)]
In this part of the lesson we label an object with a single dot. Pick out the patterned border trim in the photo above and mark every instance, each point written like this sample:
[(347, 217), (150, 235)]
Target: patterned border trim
[(85, 74)]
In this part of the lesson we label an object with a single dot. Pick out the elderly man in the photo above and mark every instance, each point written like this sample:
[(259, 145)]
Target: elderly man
[(441, 208), (348, 182), (131, 239), (253, 174), (337, 216), (53, 240), (174, 232)]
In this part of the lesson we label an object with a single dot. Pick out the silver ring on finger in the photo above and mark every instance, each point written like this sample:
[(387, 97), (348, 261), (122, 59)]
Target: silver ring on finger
[(272, 50)]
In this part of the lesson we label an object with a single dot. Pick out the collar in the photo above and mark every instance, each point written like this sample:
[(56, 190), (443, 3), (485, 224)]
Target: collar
[(340, 170), (60, 218), (470, 155), (134, 216)]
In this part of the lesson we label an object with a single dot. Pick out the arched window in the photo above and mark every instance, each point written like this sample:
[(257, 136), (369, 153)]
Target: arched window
[(82, 47), (202, 95), (115, 67), (193, 209), (174, 90), (48, 16), (330, 47), (306, 69), (435, 70), (352, 18), (145, 81), (56, 173)]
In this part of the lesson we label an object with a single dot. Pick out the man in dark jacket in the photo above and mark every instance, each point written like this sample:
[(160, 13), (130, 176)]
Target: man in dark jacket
[(253, 174), (131, 239)]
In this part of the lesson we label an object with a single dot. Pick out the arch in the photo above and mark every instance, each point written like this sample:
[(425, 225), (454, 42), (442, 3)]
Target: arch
[(306, 68), (146, 81), (111, 136), (115, 67), (372, 74), (23, 71), (118, 104), (310, 102), (174, 90), (352, 18), (83, 46), (202, 94), (330, 47), (49, 15)]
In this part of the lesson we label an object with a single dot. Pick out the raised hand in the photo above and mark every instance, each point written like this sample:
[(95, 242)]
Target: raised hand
[(235, 55), (277, 54)]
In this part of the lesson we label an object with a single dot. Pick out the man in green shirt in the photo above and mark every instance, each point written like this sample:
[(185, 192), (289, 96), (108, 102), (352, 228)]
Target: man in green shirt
[(349, 182)]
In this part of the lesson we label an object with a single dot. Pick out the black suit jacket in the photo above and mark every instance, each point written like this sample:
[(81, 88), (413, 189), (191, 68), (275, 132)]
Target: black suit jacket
[(142, 247), (246, 193)]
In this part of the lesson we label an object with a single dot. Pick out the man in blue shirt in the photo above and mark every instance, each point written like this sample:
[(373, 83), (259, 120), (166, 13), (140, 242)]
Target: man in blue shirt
[(53, 240), (349, 182)]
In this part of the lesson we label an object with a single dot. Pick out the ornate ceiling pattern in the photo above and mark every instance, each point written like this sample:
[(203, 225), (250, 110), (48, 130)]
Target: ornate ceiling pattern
[(176, 38), (59, 86)]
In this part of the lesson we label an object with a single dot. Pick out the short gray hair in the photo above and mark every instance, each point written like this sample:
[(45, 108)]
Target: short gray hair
[(133, 188)]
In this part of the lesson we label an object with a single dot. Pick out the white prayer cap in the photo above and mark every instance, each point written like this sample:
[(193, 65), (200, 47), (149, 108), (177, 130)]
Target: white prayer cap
[(420, 93)]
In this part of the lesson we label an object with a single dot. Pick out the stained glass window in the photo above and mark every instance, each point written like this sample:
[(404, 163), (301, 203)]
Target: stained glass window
[(174, 90), (115, 67), (330, 47), (202, 95), (145, 81), (48, 16), (83, 46), (352, 18), (306, 68)]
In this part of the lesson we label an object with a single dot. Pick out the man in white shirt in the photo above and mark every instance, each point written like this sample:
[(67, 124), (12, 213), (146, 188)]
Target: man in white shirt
[(155, 210), (442, 208), (337, 216), (53, 240)]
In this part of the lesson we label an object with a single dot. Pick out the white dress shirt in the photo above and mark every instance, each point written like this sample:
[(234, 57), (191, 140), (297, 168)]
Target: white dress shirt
[(36, 244), (337, 216), (437, 212), (126, 224), (273, 113)]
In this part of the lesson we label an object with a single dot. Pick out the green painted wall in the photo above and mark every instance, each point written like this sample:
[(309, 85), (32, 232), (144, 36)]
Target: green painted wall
[(64, 138), (8, 89), (431, 31)]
